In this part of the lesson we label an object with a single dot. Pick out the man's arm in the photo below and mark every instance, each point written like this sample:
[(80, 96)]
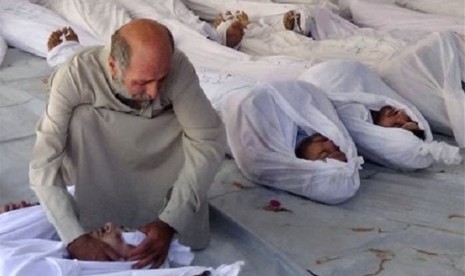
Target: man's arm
[(44, 171), (203, 138), (45, 176), (202, 141)]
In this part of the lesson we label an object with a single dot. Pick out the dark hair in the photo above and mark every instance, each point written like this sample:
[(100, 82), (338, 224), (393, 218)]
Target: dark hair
[(420, 133), (300, 149)]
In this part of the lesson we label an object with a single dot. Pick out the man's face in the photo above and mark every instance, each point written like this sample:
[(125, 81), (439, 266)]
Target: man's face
[(112, 235), (393, 117), (144, 76), (321, 148)]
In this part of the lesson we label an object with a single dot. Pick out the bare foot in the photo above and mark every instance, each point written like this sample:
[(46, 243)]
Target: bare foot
[(290, 18), (56, 39), (222, 17), (234, 34), (69, 34), (243, 18), (15, 205)]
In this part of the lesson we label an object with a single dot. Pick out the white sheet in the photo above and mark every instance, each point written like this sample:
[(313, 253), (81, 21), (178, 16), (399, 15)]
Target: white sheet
[(28, 26), (261, 124), (354, 90), (449, 7), (406, 24), (429, 75), (29, 244), (3, 48), (337, 38), (93, 16), (62, 52), (209, 9)]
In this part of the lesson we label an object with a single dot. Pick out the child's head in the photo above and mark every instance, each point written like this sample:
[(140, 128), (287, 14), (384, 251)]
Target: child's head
[(319, 147), (389, 116), (114, 236)]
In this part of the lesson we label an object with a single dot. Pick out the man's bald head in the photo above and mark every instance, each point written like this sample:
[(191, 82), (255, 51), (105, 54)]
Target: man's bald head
[(140, 57), (136, 34)]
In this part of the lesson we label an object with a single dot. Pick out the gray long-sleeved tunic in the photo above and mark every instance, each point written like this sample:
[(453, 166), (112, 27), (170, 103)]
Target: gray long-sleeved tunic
[(124, 161)]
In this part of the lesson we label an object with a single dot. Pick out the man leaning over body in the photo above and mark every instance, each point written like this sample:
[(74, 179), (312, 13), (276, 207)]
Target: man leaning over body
[(130, 127)]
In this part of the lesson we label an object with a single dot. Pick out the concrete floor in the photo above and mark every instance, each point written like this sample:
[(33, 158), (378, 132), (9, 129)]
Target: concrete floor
[(398, 223)]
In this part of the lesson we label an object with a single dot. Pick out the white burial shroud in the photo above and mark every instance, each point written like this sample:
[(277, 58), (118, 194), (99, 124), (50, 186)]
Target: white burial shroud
[(98, 18), (261, 128), (354, 91), (29, 245), (405, 23), (449, 7), (28, 26), (429, 74)]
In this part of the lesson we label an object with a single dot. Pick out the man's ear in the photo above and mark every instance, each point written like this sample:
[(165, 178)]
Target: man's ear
[(113, 67)]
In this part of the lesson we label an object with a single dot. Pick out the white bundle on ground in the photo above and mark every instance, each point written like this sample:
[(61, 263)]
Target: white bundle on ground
[(429, 75), (27, 26), (262, 127), (407, 24), (29, 245), (100, 18), (209, 9), (3, 48), (355, 90), (449, 7)]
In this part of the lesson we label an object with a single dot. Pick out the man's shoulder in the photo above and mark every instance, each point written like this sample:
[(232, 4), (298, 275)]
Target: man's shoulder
[(179, 57), (84, 65), (88, 58)]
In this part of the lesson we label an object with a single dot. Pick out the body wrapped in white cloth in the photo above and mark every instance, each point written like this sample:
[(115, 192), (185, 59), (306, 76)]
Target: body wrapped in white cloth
[(429, 74), (262, 127), (354, 91), (27, 26), (30, 245)]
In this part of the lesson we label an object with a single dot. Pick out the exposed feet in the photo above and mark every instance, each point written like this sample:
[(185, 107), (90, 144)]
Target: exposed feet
[(237, 24), (15, 205), (56, 39), (291, 21)]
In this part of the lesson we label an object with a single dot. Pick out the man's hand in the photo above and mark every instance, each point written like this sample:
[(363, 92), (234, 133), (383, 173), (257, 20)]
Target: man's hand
[(89, 248), (154, 249)]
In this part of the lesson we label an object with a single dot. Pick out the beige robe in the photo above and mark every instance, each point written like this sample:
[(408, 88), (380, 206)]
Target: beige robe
[(123, 161)]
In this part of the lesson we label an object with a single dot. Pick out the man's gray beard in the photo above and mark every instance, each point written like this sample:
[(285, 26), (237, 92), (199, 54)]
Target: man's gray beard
[(128, 98)]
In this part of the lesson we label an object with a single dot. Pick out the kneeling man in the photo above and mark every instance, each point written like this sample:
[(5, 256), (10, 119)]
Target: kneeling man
[(130, 127)]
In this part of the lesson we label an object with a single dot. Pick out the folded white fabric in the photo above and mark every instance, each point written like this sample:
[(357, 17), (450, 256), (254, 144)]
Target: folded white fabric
[(3, 48), (355, 90), (262, 127), (62, 52)]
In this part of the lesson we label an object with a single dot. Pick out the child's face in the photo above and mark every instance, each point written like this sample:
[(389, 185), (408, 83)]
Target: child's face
[(112, 235), (393, 117), (321, 148)]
